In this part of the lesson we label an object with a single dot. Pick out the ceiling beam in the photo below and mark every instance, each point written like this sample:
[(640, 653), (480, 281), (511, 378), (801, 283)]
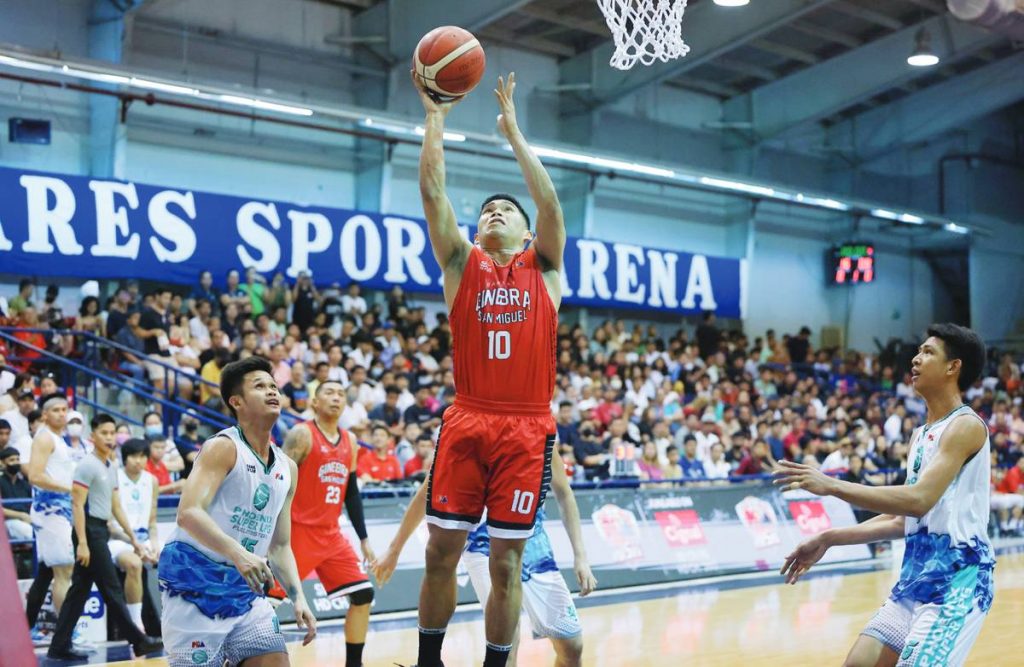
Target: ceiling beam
[(566, 20), (404, 22), (785, 51), (744, 68), (818, 92), (933, 110), (827, 34), (709, 30), (869, 15), (934, 6), (548, 46), (705, 86)]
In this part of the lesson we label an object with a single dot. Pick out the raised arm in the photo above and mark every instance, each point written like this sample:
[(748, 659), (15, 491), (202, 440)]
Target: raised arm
[(571, 520), (449, 246), (550, 239)]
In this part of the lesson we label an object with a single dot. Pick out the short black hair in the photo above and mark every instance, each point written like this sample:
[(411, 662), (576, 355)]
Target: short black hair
[(327, 382), (380, 426), (134, 447), (149, 414), (508, 197), (690, 438), (963, 344), (564, 404), (8, 452), (425, 437), (393, 389), (101, 418), (233, 375), (5, 425), (26, 282), (34, 416)]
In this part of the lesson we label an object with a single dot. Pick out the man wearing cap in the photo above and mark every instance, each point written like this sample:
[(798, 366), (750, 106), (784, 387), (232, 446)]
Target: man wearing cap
[(18, 416), (95, 502), (14, 484), (80, 446)]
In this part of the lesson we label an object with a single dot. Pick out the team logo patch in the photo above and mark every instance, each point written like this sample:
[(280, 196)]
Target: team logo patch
[(908, 650), (277, 625), (250, 468), (443, 500), (485, 265), (135, 494), (199, 654), (261, 497)]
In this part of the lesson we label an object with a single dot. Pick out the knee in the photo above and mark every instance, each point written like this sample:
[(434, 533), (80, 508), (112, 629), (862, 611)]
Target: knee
[(442, 557), (571, 650), (505, 569), (132, 566), (361, 598)]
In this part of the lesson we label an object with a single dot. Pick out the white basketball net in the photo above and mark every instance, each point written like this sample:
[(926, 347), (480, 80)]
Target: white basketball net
[(645, 30)]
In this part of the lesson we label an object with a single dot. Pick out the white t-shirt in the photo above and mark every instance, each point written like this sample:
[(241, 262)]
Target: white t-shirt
[(893, 428), (719, 470), (353, 305), (352, 416)]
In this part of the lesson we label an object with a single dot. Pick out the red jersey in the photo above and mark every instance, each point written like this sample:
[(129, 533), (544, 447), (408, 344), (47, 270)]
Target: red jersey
[(323, 479), (504, 336), (1013, 480), (383, 470)]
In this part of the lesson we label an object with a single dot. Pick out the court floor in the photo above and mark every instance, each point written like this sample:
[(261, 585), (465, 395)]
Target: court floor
[(747, 622)]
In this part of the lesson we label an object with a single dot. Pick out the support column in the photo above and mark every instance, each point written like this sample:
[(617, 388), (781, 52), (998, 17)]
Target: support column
[(373, 175), (107, 132)]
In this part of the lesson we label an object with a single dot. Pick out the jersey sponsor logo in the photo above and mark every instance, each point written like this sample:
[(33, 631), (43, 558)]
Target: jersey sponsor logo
[(199, 654), (261, 497), (758, 517), (810, 516), (485, 265), (250, 468), (502, 297), (333, 472)]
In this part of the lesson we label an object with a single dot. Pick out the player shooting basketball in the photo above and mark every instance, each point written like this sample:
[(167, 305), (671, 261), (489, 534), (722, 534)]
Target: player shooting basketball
[(495, 445)]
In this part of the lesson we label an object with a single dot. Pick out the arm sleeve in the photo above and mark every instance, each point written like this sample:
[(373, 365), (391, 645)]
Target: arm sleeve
[(354, 507)]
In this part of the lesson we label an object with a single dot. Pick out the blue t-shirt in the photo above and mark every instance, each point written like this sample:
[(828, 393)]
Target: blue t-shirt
[(692, 469)]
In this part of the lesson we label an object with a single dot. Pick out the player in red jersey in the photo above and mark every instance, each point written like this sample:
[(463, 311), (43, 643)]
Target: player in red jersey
[(326, 458), (495, 443)]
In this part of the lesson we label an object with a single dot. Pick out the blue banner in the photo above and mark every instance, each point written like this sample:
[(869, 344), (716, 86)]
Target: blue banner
[(75, 226)]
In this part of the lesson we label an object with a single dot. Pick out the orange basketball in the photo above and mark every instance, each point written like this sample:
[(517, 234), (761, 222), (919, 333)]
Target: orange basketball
[(449, 61)]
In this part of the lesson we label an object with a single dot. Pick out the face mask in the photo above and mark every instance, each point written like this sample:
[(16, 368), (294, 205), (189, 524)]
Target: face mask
[(123, 438), (14, 468), (75, 430), (154, 430)]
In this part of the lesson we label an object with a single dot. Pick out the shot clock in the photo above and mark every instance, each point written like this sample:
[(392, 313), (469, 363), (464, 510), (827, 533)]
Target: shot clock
[(850, 264)]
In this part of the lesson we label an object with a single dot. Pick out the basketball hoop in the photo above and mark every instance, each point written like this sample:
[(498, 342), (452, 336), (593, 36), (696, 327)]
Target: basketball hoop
[(645, 30)]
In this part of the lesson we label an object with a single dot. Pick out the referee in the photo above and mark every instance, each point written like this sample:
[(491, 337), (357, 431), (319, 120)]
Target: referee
[(93, 501)]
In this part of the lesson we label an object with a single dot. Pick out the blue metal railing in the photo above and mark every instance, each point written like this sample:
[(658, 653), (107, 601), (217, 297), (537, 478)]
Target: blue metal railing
[(173, 405)]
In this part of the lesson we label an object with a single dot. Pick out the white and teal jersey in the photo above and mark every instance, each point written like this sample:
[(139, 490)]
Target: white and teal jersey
[(137, 501), (61, 468), (249, 499), (948, 548), (538, 556)]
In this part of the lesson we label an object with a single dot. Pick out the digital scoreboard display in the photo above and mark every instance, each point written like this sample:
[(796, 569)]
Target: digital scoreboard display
[(850, 264)]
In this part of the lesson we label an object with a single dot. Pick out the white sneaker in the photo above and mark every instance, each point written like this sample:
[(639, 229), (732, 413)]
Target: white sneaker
[(81, 644)]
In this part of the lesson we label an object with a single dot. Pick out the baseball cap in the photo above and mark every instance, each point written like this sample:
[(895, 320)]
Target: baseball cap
[(586, 404), (25, 393), (708, 418), (75, 414), (422, 339)]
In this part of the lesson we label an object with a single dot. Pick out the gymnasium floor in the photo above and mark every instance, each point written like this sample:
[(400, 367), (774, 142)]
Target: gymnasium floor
[(739, 621)]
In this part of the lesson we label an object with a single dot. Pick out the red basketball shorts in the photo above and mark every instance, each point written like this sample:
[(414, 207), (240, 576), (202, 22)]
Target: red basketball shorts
[(498, 462), (328, 552)]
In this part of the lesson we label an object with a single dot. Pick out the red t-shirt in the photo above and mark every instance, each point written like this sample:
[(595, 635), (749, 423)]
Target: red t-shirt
[(1012, 481), (159, 470), (381, 470), (413, 466), (323, 479)]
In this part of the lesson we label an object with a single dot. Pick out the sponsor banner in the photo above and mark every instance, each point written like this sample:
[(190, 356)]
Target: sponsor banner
[(80, 227), (633, 537)]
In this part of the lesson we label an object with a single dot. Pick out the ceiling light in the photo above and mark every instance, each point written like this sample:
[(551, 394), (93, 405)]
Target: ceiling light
[(956, 229), (738, 185), (923, 55), (269, 106), (731, 3), (165, 87)]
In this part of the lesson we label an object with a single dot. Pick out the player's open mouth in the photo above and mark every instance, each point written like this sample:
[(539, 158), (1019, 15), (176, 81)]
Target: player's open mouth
[(274, 402)]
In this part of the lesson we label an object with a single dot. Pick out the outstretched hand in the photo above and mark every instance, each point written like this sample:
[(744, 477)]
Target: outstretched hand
[(432, 102), (803, 557), (507, 124), (792, 476)]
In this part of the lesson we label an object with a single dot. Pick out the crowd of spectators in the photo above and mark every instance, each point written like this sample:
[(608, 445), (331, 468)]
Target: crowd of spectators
[(698, 403)]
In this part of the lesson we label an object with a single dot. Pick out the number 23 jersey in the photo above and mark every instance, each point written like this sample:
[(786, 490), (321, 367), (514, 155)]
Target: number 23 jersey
[(504, 335), (323, 479)]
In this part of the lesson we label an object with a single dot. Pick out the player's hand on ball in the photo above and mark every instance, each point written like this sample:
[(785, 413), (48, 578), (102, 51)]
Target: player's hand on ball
[(806, 554), (792, 476), (304, 618), (507, 124), (255, 570), (385, 566), (586, 578), (432, 102)]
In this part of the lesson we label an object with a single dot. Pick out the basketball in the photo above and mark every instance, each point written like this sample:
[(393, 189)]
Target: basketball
[(449, 61)]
